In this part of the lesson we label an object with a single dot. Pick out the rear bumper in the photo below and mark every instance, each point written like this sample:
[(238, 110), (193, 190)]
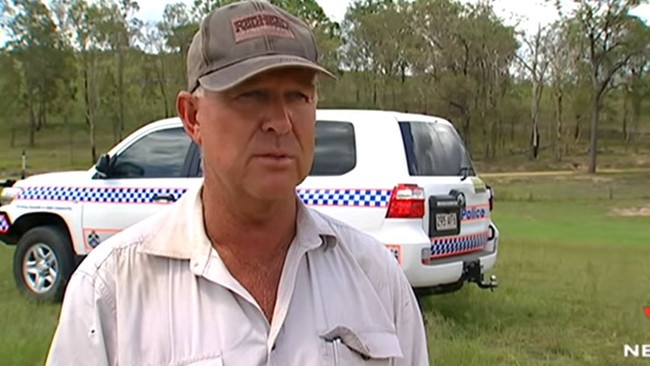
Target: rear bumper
[(445, 271)]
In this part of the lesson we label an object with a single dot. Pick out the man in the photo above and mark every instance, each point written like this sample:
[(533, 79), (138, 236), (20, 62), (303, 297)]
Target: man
[(241, 272)]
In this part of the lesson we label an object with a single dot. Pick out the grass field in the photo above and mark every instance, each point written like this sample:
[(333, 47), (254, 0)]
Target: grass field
[(573, 275)]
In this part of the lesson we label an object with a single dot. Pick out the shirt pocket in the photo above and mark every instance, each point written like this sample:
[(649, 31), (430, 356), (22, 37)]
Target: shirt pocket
[(212, 361), (345, 346)]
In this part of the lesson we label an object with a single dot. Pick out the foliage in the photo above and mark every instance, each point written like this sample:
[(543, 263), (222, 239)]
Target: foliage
[(98, 69)]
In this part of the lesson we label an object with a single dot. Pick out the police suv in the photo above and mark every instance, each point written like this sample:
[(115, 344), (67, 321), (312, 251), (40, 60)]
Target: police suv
[(406, 179)]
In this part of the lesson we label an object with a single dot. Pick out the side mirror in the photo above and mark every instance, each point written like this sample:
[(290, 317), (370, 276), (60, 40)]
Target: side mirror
[(103, 165)]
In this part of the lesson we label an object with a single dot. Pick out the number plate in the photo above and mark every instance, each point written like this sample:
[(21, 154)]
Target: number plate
[(446, 221)]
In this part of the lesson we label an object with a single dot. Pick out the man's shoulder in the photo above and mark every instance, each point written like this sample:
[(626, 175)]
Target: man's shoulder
[(363, 254), (137, 238), (363, 247), (125, 242)]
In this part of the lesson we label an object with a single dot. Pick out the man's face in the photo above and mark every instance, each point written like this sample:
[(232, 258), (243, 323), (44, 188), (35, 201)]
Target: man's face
[(259, 136)]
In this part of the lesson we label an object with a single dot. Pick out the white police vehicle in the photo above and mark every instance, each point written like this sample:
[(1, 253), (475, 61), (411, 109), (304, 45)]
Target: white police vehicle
[(407, 179)]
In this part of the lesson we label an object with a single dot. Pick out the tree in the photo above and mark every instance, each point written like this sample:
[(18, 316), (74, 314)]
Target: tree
[(603, 33), (636, 86), (562, 74), (10, 92), (536, 61), (42, 54)]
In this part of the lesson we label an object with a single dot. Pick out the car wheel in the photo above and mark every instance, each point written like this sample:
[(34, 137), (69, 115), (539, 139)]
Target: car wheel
[(43, 263)]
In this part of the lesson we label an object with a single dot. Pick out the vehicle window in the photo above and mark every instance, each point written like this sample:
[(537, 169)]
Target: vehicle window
[(160, 154), (435, 149), (335, 151)]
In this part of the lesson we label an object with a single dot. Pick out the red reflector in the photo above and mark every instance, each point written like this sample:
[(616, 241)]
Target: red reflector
[(406, 201)]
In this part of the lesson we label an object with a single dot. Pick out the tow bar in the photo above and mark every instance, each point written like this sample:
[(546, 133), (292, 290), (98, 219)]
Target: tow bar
[(472, 271)]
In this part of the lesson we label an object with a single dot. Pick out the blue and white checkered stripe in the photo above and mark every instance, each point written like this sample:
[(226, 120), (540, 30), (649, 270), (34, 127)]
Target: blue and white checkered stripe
[(441, 247), (345, 197), (311, 197), (99, 194), (4, 223)]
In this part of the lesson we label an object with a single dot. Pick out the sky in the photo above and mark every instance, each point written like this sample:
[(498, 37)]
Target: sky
[(527, 13)]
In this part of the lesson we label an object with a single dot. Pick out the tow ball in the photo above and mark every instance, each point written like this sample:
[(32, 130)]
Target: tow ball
[(472, 271)]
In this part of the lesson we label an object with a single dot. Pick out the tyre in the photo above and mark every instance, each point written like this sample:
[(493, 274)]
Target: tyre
[(43, 263)]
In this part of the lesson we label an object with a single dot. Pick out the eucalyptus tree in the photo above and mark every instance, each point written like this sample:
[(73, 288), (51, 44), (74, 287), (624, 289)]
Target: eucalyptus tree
[(603, 30)]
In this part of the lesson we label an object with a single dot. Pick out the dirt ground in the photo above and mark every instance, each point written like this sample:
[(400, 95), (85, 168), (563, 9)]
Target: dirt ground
[(632, 211)]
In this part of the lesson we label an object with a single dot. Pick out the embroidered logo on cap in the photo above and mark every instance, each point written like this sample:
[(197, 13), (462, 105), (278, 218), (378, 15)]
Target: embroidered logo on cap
[(261, 24)]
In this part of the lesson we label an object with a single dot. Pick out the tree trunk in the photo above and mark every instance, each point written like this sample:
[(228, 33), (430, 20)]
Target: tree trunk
[(66, 122), (626, 133), (635, 121), (32, 120), (467, 133), (93, 147), (534, 116), (120, 93), (86, 92), (89, 87), (357, 87), (559, 143), (163, 90), (534, 139), (593, 142), (577, 130), (482, 103), (374, 93), (93, 98)]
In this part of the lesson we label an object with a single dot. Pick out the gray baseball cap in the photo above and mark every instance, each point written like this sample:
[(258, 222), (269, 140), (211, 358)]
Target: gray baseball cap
[(240, 40)]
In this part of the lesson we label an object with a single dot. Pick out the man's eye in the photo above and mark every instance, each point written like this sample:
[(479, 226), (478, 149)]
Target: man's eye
[(256, 95), (299, 96)]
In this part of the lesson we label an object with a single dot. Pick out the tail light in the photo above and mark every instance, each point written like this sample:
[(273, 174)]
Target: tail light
[(491, 199), (406, 202)]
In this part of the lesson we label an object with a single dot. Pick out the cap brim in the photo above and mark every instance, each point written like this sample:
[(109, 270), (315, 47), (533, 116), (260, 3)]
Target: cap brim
[(235, 74)]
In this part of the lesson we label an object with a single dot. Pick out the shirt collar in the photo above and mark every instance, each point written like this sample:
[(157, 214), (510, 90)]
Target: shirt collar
[(184, 239)]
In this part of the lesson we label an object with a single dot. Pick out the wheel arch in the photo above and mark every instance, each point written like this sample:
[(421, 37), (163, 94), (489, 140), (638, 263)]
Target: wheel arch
[(31, 220)]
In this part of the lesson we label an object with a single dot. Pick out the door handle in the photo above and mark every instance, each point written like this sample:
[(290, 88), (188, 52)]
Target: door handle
[(164, 197)]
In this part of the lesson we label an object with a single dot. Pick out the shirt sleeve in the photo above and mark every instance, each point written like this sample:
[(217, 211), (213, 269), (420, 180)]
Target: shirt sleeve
[(409, 323), (85, 334)]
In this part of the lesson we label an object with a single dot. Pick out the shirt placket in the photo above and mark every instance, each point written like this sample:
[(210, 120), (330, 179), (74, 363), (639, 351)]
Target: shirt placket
[(285, 291), (211, 267)]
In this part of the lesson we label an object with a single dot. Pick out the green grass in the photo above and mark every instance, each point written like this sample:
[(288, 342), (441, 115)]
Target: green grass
[(572, 283), (26, 328)]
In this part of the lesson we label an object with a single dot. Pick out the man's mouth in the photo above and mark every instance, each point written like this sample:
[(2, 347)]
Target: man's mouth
[(275, 158)]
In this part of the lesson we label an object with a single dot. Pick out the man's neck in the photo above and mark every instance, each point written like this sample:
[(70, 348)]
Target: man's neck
[(246, 226)]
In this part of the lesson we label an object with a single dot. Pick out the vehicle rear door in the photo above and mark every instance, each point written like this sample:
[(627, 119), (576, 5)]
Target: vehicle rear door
[(457, 212)]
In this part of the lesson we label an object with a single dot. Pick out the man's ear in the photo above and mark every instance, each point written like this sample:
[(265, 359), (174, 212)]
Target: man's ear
[(187, 108)]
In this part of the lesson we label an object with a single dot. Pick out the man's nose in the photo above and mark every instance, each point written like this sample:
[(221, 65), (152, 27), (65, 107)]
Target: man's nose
[(278, 118)]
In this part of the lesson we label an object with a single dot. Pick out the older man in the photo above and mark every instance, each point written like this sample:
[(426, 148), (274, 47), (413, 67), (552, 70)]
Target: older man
[(240, 271)]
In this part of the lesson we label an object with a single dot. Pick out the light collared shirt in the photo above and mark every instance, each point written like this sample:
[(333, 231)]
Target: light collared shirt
[(158, 294)]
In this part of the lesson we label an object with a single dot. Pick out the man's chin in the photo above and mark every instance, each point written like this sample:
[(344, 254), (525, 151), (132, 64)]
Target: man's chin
[(273, 191)]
